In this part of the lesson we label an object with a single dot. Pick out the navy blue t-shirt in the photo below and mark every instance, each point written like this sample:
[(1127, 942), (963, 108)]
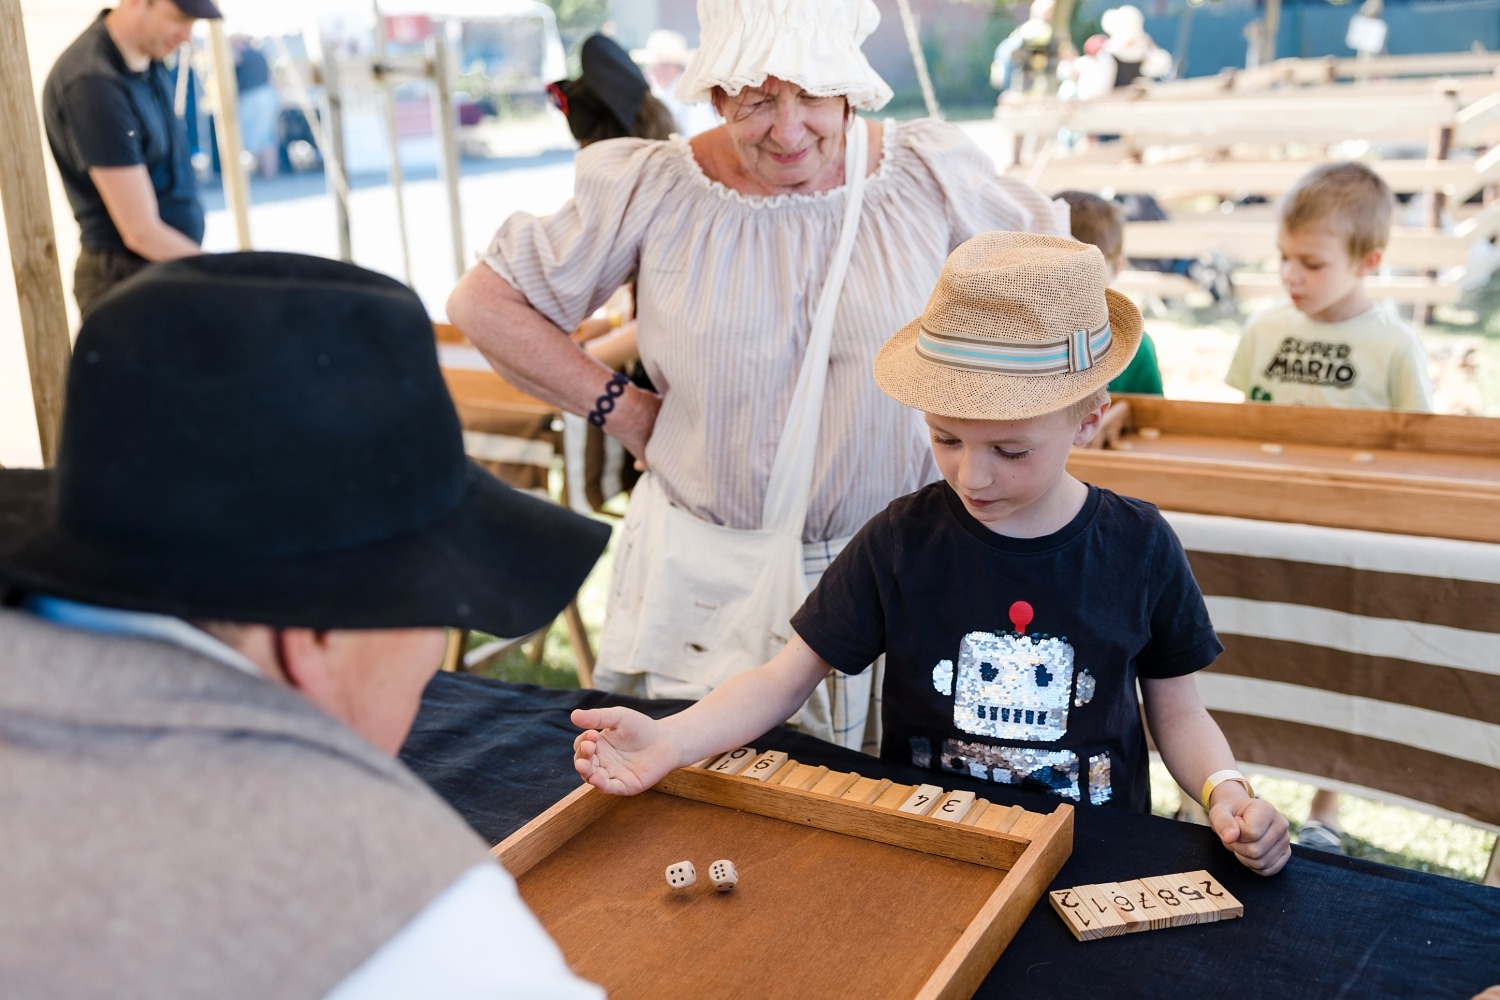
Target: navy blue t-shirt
[(100, 114), (1015, 659)]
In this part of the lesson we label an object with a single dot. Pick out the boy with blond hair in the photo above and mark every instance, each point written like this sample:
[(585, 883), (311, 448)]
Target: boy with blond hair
[(1331, 345), (1016, 606)]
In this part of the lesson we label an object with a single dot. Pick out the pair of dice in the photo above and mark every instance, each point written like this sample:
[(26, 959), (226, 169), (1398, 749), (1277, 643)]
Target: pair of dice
[(721, 873)]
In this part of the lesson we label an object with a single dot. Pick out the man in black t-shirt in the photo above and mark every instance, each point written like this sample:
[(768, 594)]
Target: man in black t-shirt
[(121, 150)]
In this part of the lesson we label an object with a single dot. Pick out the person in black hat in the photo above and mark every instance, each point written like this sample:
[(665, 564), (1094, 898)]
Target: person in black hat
[(121, 149), (611, 100), (219, 612)]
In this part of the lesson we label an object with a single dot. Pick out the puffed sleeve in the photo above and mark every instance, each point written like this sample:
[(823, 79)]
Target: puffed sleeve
[(978, 197), (568, 263)]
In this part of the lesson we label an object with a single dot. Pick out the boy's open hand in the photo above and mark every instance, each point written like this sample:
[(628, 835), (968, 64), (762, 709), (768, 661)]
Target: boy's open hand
[(621, 751), (1255, 831)]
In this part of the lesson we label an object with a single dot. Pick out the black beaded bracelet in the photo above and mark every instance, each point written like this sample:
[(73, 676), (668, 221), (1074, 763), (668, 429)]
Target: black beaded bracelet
[(605, 404)]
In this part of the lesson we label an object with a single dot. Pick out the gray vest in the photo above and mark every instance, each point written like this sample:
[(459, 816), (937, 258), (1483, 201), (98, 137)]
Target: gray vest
[(171, 827)]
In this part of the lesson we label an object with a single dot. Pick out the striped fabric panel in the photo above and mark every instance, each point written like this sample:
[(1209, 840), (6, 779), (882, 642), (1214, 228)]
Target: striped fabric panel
[(1380, 679), (1446, 601), (1463, 789)]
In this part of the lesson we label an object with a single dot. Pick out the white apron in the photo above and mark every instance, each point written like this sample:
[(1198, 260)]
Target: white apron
[(694, 603)]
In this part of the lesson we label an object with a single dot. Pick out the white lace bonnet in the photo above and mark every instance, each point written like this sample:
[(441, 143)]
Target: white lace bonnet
[(812, 43)]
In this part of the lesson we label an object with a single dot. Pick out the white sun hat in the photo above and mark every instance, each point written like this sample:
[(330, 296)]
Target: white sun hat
[(811, 43)]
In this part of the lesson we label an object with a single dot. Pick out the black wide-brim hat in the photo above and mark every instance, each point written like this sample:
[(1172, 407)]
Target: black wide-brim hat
[(267, 438), (609, 79)]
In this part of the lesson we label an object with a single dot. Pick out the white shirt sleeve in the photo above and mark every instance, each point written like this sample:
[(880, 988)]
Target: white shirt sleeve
[(477, 939)]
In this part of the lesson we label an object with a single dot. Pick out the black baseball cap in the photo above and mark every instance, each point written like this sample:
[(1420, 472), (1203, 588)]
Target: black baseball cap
[(200, 8)]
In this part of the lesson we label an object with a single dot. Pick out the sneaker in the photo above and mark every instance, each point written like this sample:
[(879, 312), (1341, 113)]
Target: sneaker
[(1320, 837)]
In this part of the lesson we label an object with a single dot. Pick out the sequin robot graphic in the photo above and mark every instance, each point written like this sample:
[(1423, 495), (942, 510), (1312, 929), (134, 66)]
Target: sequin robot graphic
[(1018, 687)]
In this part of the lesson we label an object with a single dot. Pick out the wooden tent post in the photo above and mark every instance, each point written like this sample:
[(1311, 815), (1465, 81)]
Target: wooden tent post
[(227, 128), (393, 140), (442, 119), (28, 225), (919, 60)]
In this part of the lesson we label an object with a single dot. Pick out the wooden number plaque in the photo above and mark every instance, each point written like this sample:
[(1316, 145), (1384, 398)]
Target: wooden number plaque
[(842, 892), (1146, 904)]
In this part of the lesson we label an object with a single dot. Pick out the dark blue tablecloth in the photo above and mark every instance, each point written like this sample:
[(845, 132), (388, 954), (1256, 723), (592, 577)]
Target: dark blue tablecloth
[(1327, 926)]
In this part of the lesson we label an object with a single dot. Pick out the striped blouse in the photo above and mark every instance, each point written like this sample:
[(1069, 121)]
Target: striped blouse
[(727, 286)]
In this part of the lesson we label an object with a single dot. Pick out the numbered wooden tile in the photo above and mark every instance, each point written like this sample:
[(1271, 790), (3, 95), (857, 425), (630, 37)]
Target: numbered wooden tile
[(1027, 823), (681, 875), (807, 777), (1157, 913), (1101, 910), (1000, 818), (723, 875), (1180, 909), (1203, 905), (765, 765), (954, 806), (1084, 921), (922, 800), (1222, 900), (834, 784), (867, 789), (1122, 897), (734, 761), (972, 817), (893, 796)]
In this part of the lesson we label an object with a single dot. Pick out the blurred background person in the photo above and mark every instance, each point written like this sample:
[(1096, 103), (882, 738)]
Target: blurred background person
[(123, 153), (609, 100), (663, 59), (260, 106), (1135, 53)]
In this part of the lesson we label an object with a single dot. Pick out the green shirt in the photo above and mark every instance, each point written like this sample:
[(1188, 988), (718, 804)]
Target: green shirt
[(1141, 375)]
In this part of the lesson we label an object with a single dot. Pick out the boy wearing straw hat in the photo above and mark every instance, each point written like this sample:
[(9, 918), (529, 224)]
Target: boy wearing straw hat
[(1016, 606)]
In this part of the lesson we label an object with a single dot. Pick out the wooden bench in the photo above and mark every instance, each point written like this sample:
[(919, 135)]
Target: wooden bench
[(1457, 180)]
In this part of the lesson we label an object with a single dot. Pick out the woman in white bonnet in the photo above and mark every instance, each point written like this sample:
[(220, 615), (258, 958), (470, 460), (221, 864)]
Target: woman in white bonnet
[(1135, 53), (730, 236)]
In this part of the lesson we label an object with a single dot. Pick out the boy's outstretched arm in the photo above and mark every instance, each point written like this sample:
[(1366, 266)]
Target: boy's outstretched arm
[(1193, 747), (624, 752)]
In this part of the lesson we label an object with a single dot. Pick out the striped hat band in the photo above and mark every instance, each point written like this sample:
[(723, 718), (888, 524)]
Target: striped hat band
[(1077, 352)]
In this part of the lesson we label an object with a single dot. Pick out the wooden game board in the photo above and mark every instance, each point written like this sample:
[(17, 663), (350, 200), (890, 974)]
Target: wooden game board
[(1373, 470), (849, 886)]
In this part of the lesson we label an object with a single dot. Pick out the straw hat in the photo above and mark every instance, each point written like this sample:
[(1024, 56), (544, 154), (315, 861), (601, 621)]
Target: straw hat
[(812, 43), (1019, 325), (663, 46)]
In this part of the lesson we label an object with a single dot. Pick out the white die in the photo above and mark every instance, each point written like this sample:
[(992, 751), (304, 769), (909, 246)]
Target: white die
[(681, 875), (723, 875)]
